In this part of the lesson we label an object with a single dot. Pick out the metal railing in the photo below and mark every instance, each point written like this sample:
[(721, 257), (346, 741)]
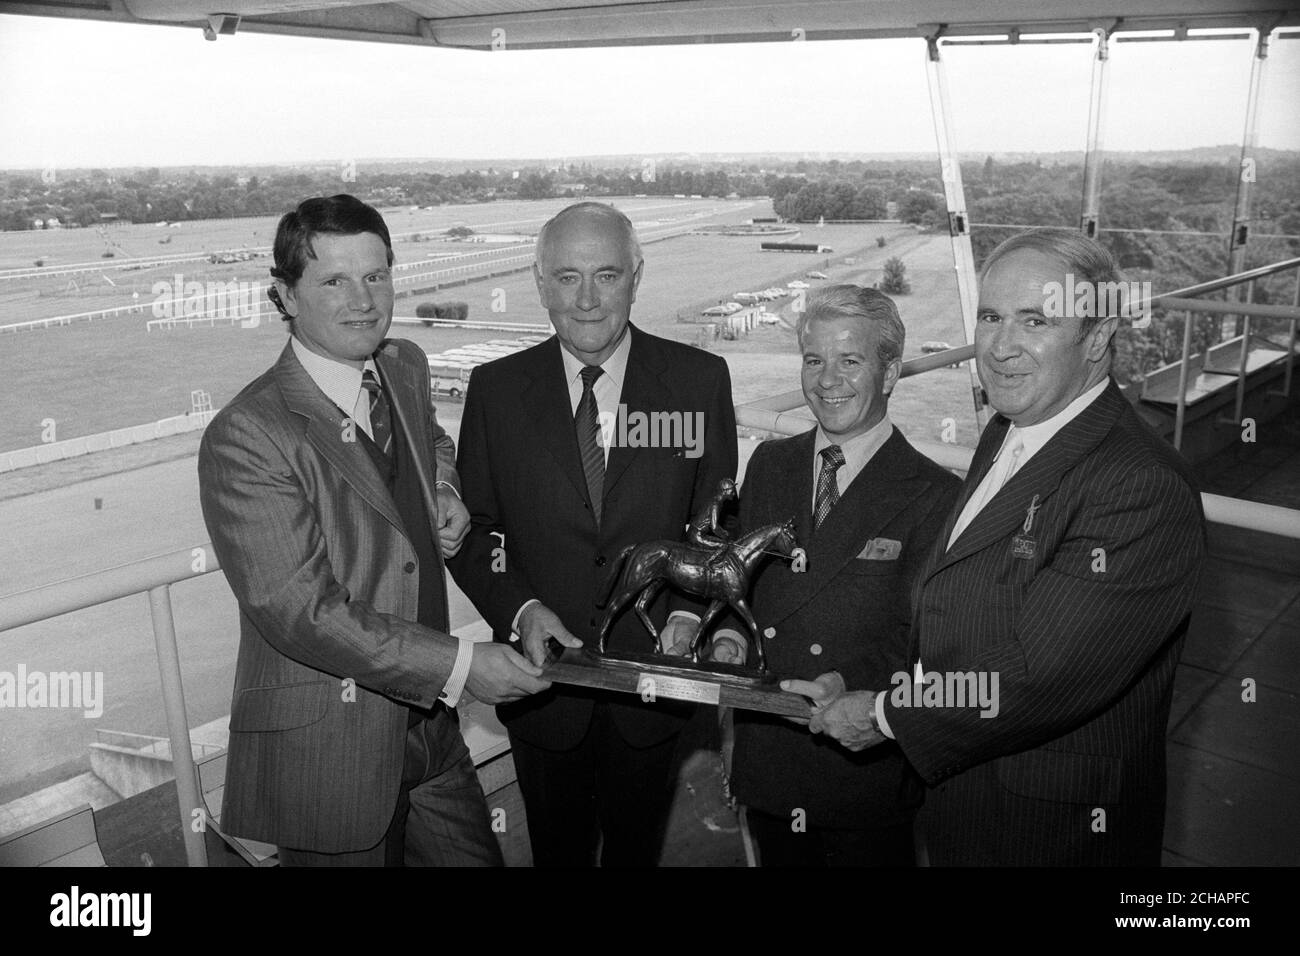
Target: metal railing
[(155, 576), (1191, 307), (152, 576)]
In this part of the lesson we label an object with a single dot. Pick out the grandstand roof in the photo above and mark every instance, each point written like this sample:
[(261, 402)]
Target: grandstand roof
[(531, 24)]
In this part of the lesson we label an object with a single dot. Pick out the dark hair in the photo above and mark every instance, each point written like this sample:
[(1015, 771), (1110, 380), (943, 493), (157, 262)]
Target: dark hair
[(340, 215)]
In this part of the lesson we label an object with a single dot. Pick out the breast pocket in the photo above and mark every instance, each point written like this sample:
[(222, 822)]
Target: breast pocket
[(280, 707), (865, 567)]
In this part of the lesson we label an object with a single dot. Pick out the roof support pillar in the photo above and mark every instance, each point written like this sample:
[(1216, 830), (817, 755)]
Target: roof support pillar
[(958, 220)]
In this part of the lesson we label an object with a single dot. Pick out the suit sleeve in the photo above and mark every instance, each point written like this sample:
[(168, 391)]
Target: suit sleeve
[(496, 591), (443, 445), (718, 461), (266, 535), (1081, 635), (444, 451)]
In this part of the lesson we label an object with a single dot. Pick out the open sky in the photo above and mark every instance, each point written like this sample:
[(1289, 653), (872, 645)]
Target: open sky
[(84, 94)]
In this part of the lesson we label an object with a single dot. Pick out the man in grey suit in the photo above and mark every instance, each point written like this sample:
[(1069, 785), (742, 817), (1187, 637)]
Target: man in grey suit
[(329, 491)]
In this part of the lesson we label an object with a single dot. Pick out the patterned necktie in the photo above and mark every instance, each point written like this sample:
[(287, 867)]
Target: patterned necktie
[(587, 422), (997, 476), (828, 490), (381, 421)]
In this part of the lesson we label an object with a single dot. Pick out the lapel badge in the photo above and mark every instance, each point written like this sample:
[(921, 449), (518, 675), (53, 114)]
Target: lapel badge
[(1023, 544)]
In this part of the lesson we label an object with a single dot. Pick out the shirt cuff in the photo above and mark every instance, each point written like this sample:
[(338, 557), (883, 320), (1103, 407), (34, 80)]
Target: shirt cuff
[(514, 625), (881, 723), (447, 484), (687, 614), (455, 685)]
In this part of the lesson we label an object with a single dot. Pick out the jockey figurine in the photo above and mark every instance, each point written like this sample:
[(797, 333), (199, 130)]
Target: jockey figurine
[(704, 531)]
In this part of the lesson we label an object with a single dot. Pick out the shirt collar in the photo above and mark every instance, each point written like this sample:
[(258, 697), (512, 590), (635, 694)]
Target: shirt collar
[(340, 382), (1036, 436), (859, 449), (614, 367)]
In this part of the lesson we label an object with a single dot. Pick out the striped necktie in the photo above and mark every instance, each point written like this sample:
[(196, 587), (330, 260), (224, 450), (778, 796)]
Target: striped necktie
[(587, 423), (828, 489), (381, 420)]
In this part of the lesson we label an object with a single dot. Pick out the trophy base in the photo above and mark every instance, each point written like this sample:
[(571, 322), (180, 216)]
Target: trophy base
[(676, 678)]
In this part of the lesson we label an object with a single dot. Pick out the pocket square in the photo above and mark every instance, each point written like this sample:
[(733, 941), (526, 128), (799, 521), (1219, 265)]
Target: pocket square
[(881, 549)]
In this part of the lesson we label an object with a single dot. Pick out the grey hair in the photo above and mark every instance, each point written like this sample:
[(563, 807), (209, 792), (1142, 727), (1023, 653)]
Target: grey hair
[(871, 306), (605, 210)]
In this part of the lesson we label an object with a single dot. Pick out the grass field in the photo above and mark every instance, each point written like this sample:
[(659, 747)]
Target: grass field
[(117, 281), (91, 377)]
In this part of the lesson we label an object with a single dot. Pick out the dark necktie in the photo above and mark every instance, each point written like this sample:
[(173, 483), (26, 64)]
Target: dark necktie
[(587, 422), (381, 421), (828, 491)]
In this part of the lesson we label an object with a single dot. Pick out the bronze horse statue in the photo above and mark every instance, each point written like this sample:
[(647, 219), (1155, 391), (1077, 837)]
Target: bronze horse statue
[(721, 576)]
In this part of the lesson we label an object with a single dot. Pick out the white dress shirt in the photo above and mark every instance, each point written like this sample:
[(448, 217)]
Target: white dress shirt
[(1034, 437), (341, 384), (607, 390), (858, 450)]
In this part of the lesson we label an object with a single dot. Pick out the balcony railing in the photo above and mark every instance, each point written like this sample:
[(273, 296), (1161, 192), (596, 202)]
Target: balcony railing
[(155, 576)]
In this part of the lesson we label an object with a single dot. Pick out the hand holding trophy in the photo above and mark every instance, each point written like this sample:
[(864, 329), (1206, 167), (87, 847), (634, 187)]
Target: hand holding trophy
[(709, 565)]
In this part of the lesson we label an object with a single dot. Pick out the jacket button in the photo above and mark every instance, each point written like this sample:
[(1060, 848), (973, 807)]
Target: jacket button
[(770, 633), (815, 650), (601, 562), (409, 567)]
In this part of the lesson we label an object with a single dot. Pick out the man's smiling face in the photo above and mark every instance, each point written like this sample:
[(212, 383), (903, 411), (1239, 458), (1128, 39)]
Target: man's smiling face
[(842, 380), (1030, 364), (343, 303)]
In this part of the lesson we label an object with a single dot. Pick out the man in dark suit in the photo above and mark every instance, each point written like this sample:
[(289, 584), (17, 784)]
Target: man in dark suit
[(1052, 613), (868, 508), (561, 454), (330, 494)]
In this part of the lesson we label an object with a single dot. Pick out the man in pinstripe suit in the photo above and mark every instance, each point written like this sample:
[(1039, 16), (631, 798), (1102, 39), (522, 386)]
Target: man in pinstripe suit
[(1062, 582)]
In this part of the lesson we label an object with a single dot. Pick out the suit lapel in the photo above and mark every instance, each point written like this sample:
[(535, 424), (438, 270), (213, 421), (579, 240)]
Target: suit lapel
[(404, 389), (990, 441), (545, 399), (643, 391), (325, 432), (1040, 477), (880, 491)]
